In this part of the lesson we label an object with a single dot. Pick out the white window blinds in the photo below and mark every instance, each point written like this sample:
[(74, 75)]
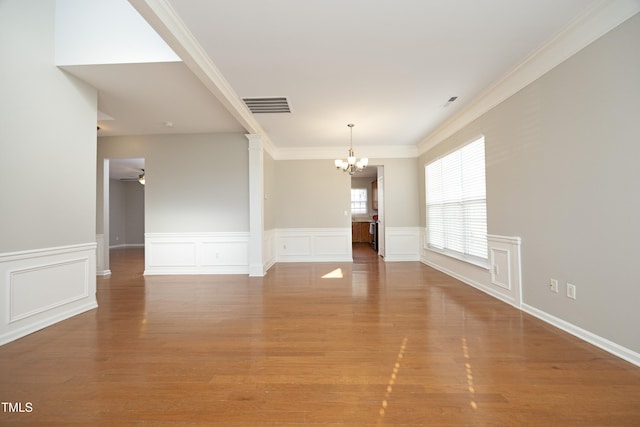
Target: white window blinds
[(456, 202)]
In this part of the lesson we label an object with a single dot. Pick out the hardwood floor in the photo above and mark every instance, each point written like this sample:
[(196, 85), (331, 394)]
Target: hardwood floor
[(362, 344)]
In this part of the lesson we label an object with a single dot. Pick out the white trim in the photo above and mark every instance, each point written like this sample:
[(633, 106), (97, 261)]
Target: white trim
[(45, 252), (600, 342), (509, 286), (23, 331), (474, 283), (41, 287), (481, 280), (505, 267), (127, 245), (168, 24), (593, 24), (313, 245)]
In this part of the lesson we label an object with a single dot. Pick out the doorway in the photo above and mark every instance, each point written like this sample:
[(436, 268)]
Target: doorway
[(366, 209), (123, 206)]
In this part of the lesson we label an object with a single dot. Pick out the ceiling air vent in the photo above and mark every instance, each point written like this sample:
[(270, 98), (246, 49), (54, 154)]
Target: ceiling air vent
[(267, 105)]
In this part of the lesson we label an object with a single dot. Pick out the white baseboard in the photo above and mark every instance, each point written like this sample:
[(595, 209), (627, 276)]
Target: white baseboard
[(504, 283), (127, 245), (471, 282), (600, 342), (45, 286), (197, 253)]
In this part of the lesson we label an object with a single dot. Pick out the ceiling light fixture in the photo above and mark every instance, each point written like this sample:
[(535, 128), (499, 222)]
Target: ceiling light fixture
[(351, 165)]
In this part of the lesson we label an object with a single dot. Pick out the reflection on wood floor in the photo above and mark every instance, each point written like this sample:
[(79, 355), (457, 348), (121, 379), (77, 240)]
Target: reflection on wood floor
[(363, 344)]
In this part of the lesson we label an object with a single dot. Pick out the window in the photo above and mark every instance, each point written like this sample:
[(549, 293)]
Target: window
[(358, 201), (456, 203)]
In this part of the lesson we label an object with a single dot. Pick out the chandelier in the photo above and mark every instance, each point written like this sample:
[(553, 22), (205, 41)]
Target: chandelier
[(352, 165)]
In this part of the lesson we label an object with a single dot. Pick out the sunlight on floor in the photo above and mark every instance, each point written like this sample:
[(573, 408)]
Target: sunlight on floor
[(394, 376), (335, 274), (467, 365)]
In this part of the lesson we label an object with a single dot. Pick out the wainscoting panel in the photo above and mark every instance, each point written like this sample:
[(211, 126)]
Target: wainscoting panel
[(402, 244), (230, 253), (172, 254), (31, 293), (313, 245), (501, 280), (505, 268), (45, 286), (196, 253)]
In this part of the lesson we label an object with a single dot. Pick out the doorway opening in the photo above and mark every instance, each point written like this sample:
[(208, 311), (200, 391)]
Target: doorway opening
[(124, 208), (366, 211)]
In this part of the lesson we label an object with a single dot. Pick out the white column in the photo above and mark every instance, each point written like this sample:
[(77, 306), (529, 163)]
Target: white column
[(256, 205)]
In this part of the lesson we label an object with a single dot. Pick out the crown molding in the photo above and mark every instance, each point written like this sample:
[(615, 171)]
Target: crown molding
[(163, 18), (595, 22), (332, 153)]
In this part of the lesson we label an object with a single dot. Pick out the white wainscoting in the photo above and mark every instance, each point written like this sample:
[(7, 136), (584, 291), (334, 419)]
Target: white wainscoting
[(402, 244), (505, 268), (196, 253), (44, 286), (501, 280), (313, 245)]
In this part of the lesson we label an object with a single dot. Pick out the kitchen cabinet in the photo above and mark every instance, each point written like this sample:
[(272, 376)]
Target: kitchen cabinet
[(360, 232), (374, 195)]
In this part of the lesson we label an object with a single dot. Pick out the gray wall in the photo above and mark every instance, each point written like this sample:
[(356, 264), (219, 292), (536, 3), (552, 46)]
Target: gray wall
[(117, 213), (126, 213), (134, 213), (563, 173), (194, 183), (47, 137), (312, 193), (401, 206)]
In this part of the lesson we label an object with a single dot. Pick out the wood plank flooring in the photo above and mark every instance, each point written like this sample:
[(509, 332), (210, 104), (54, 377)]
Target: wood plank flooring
[(339, 344)]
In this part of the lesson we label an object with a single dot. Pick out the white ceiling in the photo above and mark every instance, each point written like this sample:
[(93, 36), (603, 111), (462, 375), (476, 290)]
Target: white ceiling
[(128, 169), (387, 66)]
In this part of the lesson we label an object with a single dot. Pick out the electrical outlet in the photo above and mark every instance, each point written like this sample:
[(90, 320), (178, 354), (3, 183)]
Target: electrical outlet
[(553, 285), (571, 291)]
